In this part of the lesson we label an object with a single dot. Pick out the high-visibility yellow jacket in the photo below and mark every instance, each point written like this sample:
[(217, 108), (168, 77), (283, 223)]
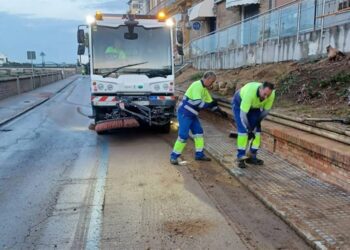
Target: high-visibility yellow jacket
[(196, 98)]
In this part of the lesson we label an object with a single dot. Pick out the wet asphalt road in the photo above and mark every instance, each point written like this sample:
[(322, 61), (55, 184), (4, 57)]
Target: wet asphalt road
[(64, 187), (47, 169)]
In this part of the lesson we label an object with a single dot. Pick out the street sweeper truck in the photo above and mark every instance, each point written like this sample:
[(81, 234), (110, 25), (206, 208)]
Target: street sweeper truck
[(131, 61)]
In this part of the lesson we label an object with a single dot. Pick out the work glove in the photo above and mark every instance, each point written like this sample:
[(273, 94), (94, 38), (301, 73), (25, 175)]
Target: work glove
[(214, 103), (251, 135), (221, 112)]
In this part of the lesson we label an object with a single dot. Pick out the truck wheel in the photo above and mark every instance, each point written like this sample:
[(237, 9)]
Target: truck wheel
[(165, 129), (99, 115), (102, 132)]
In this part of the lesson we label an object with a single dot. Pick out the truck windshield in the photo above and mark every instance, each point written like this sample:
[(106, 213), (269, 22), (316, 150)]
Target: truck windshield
[(111, 50)]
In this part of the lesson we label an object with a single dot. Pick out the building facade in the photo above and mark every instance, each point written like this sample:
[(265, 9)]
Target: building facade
[(140, 7), (255, 31), (200, 17)]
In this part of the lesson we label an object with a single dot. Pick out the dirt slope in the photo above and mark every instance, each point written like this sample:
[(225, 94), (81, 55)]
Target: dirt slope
[(317, 89)]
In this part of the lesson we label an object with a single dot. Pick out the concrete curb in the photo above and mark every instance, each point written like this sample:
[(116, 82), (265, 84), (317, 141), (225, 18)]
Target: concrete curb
[(308, 238), (12, 117), (235, 172), (34, 105), (299, 227), (304, 234)]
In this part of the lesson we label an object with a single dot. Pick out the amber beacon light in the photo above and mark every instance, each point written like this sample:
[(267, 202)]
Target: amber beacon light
[(161, 16), (98, 15)]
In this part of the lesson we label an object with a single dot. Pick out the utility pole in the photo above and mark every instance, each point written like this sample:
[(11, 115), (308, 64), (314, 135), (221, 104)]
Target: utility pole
[(42, 54), (32, 56)]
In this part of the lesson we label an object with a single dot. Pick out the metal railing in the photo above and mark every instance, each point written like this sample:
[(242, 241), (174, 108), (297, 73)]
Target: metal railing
[(285, 21), (27, 72), (24, 81)]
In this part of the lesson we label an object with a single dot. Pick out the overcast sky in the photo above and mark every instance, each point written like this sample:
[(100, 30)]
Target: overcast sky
[(47, 25)]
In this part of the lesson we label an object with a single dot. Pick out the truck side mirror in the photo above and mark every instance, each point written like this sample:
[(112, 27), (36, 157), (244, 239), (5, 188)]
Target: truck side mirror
[(180, 50), (179, 42), (81, 49), (80, 36), (179, 37), (86, 40)]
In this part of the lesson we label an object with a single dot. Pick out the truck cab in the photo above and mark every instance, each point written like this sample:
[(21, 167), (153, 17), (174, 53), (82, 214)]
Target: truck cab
[(132, 69)]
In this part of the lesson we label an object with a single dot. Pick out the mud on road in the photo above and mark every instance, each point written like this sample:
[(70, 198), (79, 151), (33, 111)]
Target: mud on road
[(150, 204)]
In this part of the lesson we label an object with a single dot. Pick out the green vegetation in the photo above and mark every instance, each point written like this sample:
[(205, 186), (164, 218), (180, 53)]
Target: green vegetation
[(196, 76), (339, 79), (312, 87), (285, 85)]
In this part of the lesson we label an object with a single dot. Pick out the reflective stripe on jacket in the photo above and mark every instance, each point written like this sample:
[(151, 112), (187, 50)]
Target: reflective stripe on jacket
[(197, 97)]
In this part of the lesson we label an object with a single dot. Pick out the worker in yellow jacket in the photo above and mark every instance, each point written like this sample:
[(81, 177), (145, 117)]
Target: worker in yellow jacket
[(197, 97), (116, 51), (250, 105)]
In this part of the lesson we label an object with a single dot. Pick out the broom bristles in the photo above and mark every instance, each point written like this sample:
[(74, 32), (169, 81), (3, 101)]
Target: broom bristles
[(115, 124)]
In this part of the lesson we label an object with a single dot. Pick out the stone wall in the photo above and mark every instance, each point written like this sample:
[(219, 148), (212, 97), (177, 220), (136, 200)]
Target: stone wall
[(305, 46), (15, 85)]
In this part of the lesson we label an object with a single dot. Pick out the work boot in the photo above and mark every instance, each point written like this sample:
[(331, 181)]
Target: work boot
[(233, 134), (241, 163), (254, 161), (203, 158), (174, 161)]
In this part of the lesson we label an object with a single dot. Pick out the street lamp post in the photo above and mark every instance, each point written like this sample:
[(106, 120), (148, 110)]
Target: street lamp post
[(42, 54)]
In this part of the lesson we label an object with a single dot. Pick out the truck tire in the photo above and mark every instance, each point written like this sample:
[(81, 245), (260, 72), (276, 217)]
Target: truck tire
[(102, 132), (165, 129), (98, 114)]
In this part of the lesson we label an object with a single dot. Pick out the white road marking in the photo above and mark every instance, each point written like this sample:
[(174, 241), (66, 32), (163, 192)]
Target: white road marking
[(95, 225)]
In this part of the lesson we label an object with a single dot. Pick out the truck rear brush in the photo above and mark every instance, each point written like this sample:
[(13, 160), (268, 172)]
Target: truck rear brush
[(115, 124)]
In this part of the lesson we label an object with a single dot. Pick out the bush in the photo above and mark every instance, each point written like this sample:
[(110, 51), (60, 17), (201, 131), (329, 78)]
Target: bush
[(197, 76), (339, 79)]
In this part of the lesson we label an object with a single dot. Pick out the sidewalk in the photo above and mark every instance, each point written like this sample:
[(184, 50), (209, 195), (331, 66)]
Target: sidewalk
[(318, 211), (14, 106)]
